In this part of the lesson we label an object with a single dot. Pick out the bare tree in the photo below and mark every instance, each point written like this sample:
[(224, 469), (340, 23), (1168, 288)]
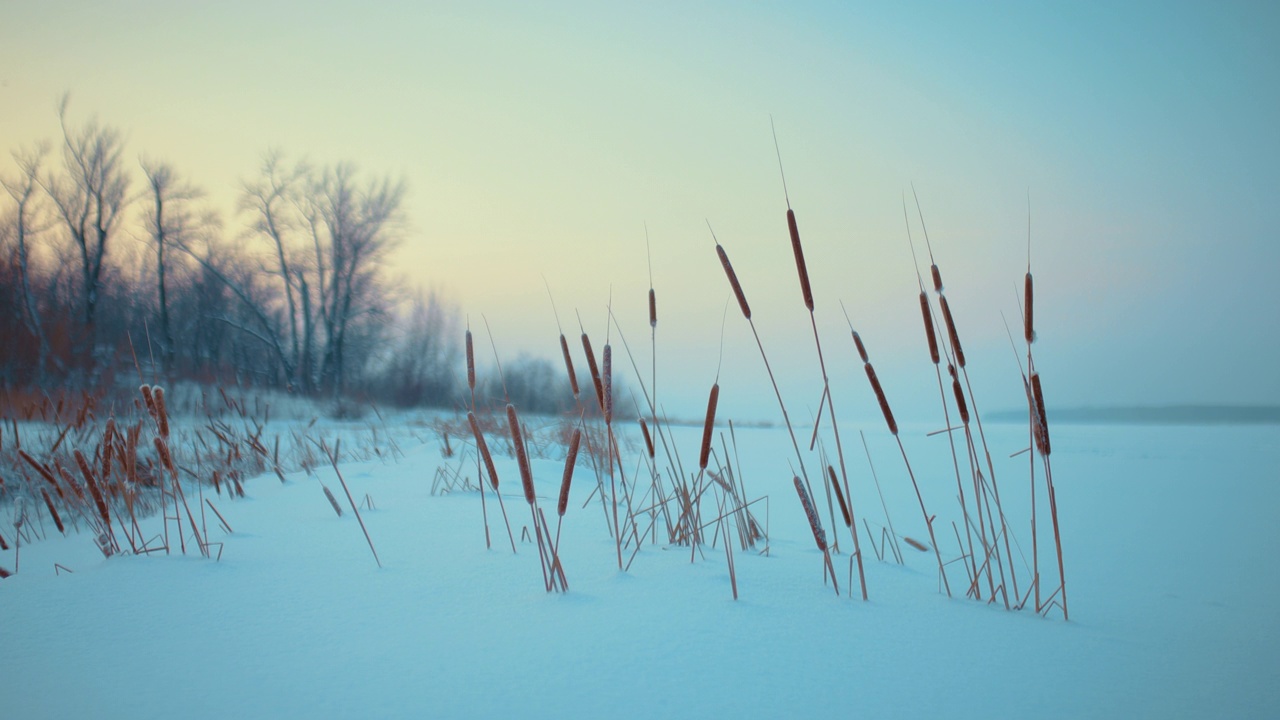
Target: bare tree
[(423, 365), (90, 195), (25, 229), (171, 220), (272, 199), (353, 228)]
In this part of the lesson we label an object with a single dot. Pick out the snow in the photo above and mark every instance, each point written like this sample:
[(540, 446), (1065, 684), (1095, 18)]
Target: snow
[(1169, 543)]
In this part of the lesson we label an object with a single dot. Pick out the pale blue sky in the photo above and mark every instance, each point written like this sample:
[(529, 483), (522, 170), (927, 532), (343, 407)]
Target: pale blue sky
[(538, 139)]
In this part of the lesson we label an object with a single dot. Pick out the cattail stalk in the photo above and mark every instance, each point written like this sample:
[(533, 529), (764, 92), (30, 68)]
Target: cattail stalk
[(53, 511), (595, 370), (522, 455), (568, 365), (708, 426), (733, 281), (471, 363), (844, 507), (1028, 325)]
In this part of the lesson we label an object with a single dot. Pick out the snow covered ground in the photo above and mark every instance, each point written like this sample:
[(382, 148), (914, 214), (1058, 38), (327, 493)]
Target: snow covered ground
[(1170, 545)]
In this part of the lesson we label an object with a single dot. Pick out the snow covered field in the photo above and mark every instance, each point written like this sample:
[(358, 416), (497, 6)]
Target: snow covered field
[(1170, 545)]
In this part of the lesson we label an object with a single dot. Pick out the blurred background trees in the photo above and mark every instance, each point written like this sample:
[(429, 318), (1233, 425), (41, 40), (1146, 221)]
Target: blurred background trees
[(107, 263)]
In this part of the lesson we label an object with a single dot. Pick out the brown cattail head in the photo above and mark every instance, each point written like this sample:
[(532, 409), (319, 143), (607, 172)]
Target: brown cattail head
[(951, 331), (569, 461), (937, 278), (568, 365), (862, 349), (3, 546), (607, 379), (162, 412), (916, 544), (960, 403), (1042, 437), (162, 449), (844, 507), (708, 426), (648, 439), (484, 449), (733, 281), (815, 523), (928, 327), (43, 471), (68, 480), (53, 511), (800, 264), (108, 450), (150, 401), (880, 398), (653, 309), (522, 455), (1029, 328), (98, 500), (595, 370), (471, 363)]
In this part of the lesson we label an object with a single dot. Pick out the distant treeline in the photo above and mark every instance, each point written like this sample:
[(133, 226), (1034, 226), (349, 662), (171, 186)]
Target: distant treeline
[(111, 261), (1156, 415)]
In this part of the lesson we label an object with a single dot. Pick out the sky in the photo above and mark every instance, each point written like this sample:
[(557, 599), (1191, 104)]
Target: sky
[(541, 142)]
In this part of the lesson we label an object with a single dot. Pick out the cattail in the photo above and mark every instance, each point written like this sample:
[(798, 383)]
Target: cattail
[(951, 331), (607, 377), (93, 488), (217, 482), (733, 281), (928, 327), (815, 524), (53, 512), (471, 364), (884, 404), (648, 439), (937, 278), (3, 546), (162, 412), (568, 365), (844, 507), (484, 449), (916, 543), (801, 268), (43, 472), (1041, 412), (653, 309), (522, 455), (165, 458), (569, 461), (69, 480), (4, 573), (1028, 325), (595, 370), (862, 349), (332, 500), (708, 426), (960, 403), (108, 449), (150, 401)]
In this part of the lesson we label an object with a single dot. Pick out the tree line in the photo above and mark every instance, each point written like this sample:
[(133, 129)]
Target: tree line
[(107, 262)]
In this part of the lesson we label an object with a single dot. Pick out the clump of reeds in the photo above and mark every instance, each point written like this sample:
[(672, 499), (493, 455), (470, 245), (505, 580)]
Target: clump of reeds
[(806, 292)]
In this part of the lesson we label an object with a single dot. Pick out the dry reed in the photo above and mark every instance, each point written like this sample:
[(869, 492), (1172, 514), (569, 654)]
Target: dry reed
[(844, 507), (595, 370), (568, 365), (570, 460), (708, 426), (522, 454)]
